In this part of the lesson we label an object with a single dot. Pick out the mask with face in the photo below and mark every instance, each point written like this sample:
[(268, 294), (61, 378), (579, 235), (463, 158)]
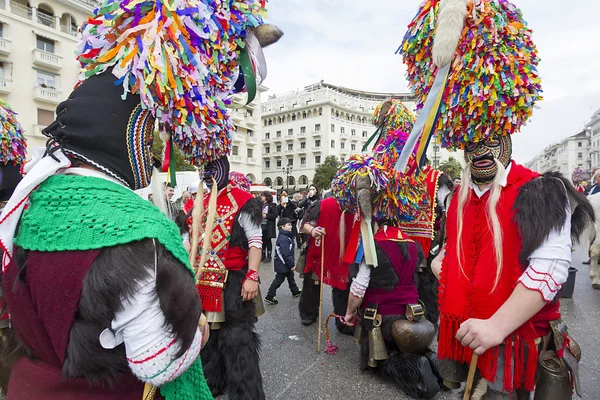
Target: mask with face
[(482, 156), (219, 170)]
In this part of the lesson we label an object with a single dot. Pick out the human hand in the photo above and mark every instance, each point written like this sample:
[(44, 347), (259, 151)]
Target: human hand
[(264, 215), (317, 232), (480, 334), (293, 269), (350, 319), (204, 330), (249, 290)]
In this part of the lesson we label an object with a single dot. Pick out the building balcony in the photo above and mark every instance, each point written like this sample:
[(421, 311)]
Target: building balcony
[(5, 46), (252, 140), (21, 10), (48, 95), (238, 137), (5, 86), (302, 151), (277, 139), (277, 154), (316, 148), (289, 138), (237, 159), (301, 134), (303, 166), (316, 133), (48, 60), (251, 160), (69, 30), (37, 131)]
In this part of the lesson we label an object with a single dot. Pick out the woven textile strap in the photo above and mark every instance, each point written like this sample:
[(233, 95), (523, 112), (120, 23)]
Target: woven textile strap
[(70, 213)]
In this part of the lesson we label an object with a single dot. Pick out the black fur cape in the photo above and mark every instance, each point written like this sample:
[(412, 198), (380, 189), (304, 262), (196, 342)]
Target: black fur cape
[(541, 207)]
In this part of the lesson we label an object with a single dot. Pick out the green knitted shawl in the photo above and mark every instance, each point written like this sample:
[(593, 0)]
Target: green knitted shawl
[(69, 213)]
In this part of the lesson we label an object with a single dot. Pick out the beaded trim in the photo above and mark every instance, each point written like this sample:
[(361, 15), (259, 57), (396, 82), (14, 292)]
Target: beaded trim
[(139, 145)]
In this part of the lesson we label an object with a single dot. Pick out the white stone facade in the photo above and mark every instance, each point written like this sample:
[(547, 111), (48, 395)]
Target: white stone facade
[(572, 152), (301, 129), (37, 63), (246, 150)]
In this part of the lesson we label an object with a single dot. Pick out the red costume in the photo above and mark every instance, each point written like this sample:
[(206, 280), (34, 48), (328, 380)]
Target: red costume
[(222, 257), (462, 297), (422, 229), (336, 270)]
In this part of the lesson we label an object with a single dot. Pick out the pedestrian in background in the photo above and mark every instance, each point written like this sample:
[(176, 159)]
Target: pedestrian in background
[(284, 262), (269, 214)]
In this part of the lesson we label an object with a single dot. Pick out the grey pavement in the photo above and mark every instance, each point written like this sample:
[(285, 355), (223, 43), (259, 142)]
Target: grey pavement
[(292, 368)]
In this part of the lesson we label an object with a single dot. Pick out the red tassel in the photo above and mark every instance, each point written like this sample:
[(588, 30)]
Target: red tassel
[(531, 367), (331, 348), (508, 355)]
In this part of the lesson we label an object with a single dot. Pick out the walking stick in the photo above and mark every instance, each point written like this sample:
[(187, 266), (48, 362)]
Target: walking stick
[(321, 293), (471, 377)]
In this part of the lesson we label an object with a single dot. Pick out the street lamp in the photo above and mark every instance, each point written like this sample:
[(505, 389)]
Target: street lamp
[(287, 171)]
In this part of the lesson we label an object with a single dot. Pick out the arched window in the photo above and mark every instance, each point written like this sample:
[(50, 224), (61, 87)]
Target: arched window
[(45, 15), (268, 182), (291, 181), (279, 181), (251, 178), (303, 180)]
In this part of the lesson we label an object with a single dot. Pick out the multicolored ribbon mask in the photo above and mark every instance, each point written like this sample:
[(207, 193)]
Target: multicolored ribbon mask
[(183, 58), (488, 85), (13, 146)]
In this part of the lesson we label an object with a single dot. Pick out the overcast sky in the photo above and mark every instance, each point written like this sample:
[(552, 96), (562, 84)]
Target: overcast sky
[(352, 43)]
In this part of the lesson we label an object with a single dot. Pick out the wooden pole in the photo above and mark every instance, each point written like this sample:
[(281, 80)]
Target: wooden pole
[(471, 377), (321, 292)]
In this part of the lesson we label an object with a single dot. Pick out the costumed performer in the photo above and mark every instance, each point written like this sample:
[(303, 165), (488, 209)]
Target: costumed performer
[(228, 284), (509, 230), (115, 330), (394, 120), (13, 149), (394, 334)]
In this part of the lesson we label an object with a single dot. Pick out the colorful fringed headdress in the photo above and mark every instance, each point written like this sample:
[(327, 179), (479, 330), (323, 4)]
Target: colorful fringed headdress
[(240, 181), (13, 146), (390, 116), (473, 67), (393, 196), (184, 58)]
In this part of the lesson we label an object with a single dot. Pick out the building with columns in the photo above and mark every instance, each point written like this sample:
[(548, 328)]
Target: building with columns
[(246, 149), (593, 129), (37, 64), (570, 153), (301, 128)]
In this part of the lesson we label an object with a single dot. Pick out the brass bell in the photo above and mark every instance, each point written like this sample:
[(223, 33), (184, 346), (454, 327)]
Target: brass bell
[(377, 350), (373, 363), (553, 381)]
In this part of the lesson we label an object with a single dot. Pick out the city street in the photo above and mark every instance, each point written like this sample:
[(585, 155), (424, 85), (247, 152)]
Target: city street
[(292, 369)]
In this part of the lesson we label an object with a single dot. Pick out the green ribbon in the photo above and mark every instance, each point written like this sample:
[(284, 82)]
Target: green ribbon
[(172, 165), (249, 77), (376, 134)]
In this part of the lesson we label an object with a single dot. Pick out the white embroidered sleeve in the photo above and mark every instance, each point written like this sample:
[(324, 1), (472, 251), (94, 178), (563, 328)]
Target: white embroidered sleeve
[(252, 230), (361, 282), (549, 264), (150, 347)]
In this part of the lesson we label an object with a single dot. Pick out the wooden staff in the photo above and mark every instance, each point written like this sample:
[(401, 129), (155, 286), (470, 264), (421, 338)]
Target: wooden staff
[(321, 293), (471, 377)]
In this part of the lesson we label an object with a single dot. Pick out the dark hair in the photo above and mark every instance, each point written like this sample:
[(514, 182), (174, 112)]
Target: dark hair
[(268, 196)]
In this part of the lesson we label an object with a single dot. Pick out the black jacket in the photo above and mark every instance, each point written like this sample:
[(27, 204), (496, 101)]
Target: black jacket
[(268, 223), (284, 252), (289, 211)]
